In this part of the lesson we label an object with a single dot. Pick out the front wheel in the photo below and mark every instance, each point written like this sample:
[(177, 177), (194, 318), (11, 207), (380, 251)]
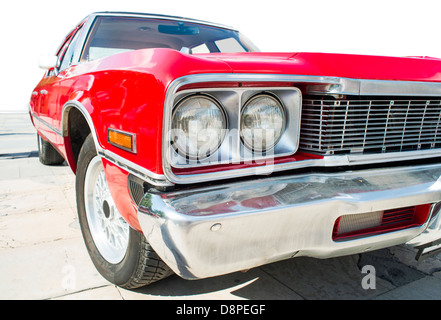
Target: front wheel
[(121, 254)]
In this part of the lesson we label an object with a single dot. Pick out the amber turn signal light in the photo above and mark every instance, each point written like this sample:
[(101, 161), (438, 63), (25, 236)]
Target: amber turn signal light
[(122, 140)]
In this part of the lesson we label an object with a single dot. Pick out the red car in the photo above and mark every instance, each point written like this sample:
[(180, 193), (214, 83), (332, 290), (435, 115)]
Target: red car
[(195, 153)]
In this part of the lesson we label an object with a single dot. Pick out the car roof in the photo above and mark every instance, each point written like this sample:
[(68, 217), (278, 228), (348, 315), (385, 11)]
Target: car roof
[(158, 16)]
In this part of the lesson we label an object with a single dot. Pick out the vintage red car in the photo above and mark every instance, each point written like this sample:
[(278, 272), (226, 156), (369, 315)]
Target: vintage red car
[(195, 153)]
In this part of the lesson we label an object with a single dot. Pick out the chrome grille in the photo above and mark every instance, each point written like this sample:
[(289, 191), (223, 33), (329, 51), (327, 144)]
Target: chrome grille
[(370, 125)]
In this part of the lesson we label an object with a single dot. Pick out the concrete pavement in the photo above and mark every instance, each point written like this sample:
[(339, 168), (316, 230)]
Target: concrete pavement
[(43, 256)]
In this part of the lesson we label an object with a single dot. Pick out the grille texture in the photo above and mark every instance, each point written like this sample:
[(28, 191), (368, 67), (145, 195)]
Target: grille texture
[(136, 188), (370, 125)]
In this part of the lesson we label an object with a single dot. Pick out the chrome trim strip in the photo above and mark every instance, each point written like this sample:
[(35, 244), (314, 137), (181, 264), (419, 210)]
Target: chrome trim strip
[(387, 157), (44, 122), (399, 88), (315, 85), (142, 173), (138, 171), (79, 46), (327, 161), (160, 17)]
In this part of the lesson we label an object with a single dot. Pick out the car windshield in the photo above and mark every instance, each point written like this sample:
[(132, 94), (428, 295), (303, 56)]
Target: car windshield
[(112, 35)]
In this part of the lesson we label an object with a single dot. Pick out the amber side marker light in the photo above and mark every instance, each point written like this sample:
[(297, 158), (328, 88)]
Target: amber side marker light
[(122, 140)]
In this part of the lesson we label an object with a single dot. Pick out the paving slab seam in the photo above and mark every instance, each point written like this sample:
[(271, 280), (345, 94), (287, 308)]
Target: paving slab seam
[(79, 291), (282, 283)]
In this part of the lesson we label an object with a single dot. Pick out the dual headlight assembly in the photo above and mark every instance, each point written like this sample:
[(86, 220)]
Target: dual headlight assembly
[(257, 120)]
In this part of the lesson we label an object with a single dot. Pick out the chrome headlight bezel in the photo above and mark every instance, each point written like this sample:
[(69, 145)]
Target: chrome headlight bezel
[(232, 151), (185, 152), (279, 105)]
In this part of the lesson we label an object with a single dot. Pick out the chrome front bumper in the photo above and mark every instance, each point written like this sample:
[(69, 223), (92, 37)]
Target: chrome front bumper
[(220, 229)]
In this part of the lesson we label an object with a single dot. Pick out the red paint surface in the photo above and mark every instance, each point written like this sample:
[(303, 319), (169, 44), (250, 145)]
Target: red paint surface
[(127, 91), (118, 185)]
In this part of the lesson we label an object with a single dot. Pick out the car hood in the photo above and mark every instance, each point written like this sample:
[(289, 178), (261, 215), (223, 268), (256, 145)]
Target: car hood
[(167, 65), (334, 65)]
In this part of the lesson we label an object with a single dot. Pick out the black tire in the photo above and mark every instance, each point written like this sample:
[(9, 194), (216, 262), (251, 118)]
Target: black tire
[(141, 265), (47, 154)]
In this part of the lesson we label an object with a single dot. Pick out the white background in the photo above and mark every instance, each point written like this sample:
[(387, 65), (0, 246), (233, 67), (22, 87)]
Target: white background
[(388, 27)]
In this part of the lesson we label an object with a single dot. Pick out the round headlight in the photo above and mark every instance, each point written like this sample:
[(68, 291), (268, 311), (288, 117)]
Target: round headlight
[(198, 126), (262, 122)]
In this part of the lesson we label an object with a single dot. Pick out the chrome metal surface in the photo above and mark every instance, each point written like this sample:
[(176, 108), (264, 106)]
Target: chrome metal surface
[(45, 123), (432, 232), (330, 86), (271, 219), (110, 232), (160, 17), (232, 150), (376, 125)]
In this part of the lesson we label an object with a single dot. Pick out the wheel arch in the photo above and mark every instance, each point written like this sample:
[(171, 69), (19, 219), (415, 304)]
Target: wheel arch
[(76, 125), (76, 108)]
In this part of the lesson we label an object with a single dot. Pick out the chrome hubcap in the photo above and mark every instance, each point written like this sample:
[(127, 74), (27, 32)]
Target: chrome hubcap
[(109, 230)]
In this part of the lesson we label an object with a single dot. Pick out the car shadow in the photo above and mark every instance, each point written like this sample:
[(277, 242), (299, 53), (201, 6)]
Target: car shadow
[(19, 155), (299, 278)]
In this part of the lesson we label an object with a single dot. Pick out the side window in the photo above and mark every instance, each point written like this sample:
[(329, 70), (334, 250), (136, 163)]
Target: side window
[(60, 53), (66, 59)]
